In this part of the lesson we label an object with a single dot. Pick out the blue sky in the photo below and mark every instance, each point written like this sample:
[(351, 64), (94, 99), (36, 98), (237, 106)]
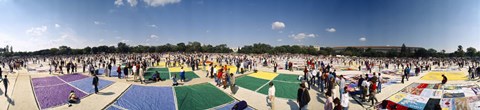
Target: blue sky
[(39, 24)]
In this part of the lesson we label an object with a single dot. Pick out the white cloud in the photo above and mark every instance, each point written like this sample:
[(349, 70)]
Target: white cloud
[(37, 31), (153, 36), (279, 40), (57, 25), (278, 25), (98, 22), (125, 41), (118, 3), (153, 26), (362, 39), (133, 3), (300, 36), (155, 3), (331, 29), (101, 40)]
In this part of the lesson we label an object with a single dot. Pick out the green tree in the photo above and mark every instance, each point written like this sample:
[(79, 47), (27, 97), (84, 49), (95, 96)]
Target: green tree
[(471, 52), (460, 52), (404, 51), (181, 47), (123, 48), (421, 52), (87, 50)]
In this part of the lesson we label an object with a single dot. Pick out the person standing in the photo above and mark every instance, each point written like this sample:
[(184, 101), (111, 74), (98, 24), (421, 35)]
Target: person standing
[(321, 81), (305, 71), (365, 86), (0, 73), (182, 75), (232, 83), (372, 92), (135, 74), (328, 102), (5, 84), (119, 72), (379, 88), (109, 68), (275, 67), (83, 66), (360, 85), (95, 83), (303, 97), (125, 72), (141, 73), (342, 85), (407, 72), (271, 96), (344, 100)]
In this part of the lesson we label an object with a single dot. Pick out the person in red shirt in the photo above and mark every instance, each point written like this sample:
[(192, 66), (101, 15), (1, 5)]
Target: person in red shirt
[(373, 88), (119, 71), (219, 77)]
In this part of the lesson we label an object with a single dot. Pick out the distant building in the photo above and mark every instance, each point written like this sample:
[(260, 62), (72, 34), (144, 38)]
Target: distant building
[(317, 47), (384, 49), (234, 49)]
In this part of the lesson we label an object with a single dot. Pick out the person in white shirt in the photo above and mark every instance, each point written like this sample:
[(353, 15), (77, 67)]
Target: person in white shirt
[(344, 100), (367, 85), (365, 88), (271, 95), (134, 69), (142, 79)]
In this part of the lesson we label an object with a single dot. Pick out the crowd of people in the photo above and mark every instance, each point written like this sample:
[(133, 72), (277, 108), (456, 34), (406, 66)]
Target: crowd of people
[(318, 71)]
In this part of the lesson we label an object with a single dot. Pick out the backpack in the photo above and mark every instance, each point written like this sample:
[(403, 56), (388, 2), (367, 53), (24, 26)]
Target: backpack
[(307, 96), (240, 105)]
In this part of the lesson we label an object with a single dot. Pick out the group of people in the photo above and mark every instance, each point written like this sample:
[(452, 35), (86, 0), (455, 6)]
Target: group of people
[(5, 82), (318, 71)]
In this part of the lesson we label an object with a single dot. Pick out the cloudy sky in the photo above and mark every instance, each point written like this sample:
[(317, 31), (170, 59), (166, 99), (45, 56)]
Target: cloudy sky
[(39, 24)]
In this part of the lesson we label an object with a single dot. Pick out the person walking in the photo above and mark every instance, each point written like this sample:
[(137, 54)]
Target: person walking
[(303, 97), (95, 83), (271, 96), (5, 84)]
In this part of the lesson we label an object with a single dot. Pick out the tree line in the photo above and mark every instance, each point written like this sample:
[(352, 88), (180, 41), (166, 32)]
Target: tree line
[(121, 47), (257, 48)]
